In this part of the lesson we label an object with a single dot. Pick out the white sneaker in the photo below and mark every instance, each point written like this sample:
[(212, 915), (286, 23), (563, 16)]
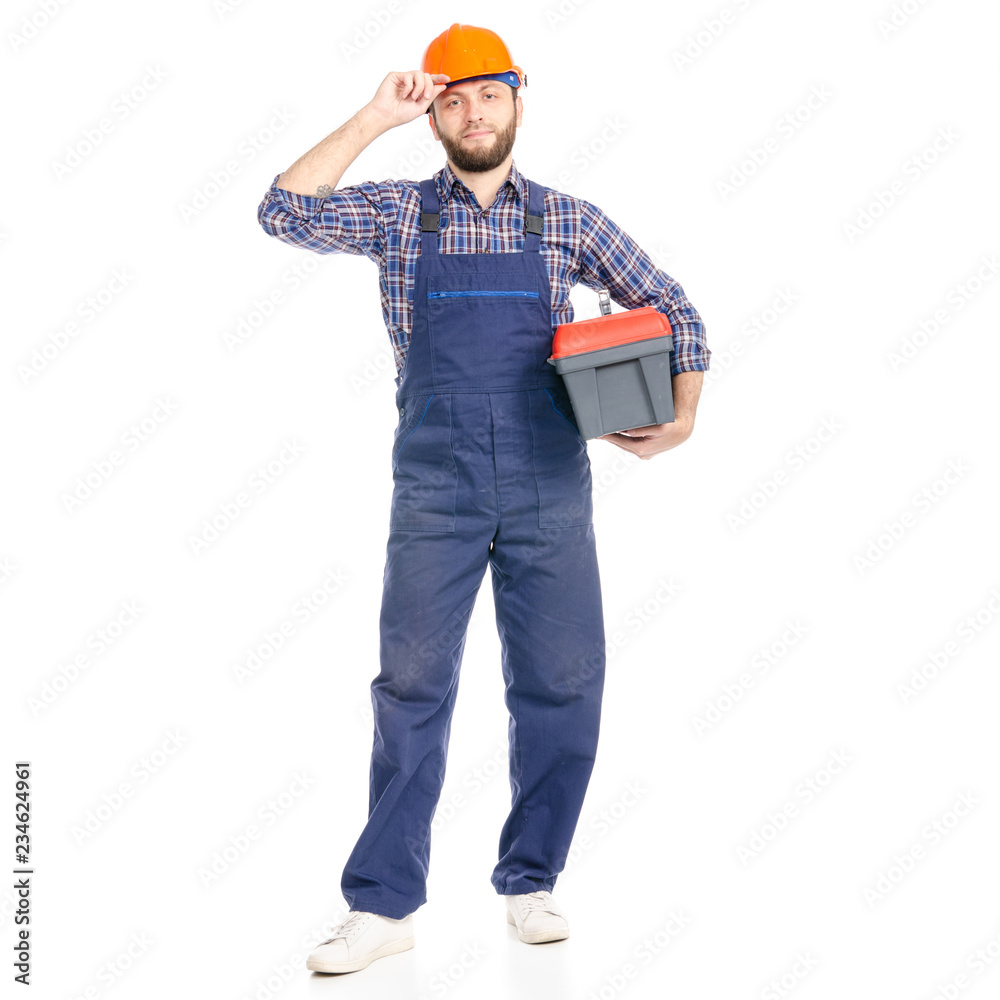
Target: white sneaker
[(359, 940), (536, 917)]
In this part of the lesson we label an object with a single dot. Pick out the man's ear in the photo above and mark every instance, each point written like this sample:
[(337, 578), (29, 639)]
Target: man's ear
[(519, 111), (430, 118)]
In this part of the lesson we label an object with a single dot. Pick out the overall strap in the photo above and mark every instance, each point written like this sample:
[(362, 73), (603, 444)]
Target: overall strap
[(534, 217), (429, 216)]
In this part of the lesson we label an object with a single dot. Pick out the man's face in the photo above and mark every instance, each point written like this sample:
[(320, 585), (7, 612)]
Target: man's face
[(476, 123)]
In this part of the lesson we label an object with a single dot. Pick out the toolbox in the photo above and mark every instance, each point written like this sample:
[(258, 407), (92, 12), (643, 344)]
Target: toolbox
[(616, 369)]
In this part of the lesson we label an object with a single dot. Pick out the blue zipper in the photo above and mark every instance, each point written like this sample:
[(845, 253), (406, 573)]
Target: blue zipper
[(477, 293)]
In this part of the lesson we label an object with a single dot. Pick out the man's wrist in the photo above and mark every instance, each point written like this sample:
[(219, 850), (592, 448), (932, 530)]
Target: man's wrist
[(371, 123)]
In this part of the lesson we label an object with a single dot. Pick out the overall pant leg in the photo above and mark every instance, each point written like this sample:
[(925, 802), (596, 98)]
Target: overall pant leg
[(553, 658), (429, 590), (549, 610)]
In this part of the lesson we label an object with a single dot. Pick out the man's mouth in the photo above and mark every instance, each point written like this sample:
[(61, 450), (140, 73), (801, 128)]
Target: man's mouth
[(472, 135)]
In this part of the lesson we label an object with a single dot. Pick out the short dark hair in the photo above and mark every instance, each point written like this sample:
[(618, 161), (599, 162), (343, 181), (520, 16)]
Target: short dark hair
[(513, 97)]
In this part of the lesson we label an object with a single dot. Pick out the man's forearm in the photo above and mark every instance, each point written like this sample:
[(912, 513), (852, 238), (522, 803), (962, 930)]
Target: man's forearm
[(319, 171), (687, 389)]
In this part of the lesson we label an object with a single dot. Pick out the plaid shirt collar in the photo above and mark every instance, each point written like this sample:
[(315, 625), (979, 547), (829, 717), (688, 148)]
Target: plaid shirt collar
[(446, 179)]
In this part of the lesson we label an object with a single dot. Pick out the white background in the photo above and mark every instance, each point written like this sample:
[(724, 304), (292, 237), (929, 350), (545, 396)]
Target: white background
[(824, 488)]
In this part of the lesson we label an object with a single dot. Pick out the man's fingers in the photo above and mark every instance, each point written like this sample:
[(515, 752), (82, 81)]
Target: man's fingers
[(415, 85), (435, 85), (411, 84), (419, 86), (626, 443), (620, 439)]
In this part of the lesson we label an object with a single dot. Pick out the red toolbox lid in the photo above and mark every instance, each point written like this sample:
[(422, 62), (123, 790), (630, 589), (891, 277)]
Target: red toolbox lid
[(609, 331)]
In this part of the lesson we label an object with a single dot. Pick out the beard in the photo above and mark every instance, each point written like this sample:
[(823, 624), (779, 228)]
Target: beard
[(478, 159)]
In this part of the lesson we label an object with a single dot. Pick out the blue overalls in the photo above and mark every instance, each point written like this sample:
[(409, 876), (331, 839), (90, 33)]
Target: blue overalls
[(488, 467)]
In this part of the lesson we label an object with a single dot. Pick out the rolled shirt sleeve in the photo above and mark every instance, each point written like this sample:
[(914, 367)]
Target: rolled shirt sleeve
[(610, 258), (348, 220)]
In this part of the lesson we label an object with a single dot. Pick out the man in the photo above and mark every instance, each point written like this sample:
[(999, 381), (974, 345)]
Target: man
[(489, 468)]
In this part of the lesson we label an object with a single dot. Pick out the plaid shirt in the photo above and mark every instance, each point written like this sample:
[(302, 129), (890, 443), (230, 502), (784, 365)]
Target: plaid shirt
[(579, 244)]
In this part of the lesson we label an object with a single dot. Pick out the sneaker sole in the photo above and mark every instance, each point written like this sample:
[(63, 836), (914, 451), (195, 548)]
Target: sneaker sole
[(392, 948), (538, 937)]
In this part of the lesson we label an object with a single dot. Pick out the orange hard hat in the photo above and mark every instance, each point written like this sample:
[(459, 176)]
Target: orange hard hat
[(467, 53)]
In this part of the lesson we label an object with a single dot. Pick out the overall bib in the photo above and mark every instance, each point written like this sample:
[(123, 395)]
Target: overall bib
[(488, 469)]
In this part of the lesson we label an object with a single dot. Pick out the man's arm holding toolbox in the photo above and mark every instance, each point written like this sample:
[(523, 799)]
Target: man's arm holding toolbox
[(649, 441), (611, 259)]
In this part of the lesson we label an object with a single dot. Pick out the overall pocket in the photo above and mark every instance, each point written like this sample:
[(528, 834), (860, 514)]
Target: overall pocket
[(424, 473), (477, 332), (560, 462)]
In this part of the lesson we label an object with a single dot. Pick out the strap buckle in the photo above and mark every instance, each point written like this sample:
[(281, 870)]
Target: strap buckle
[(429, 222)]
